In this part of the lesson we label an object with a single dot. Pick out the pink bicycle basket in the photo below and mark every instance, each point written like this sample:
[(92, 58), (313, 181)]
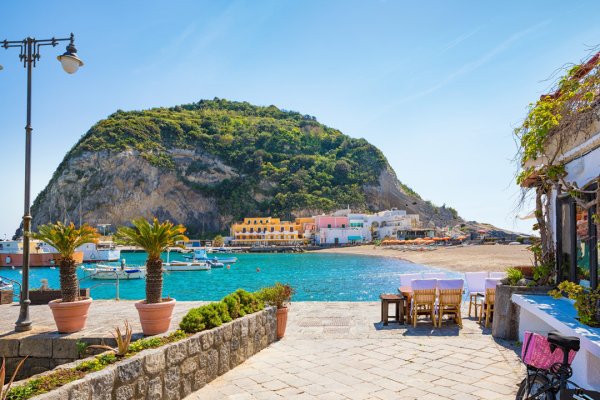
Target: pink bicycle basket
[(536, 352)]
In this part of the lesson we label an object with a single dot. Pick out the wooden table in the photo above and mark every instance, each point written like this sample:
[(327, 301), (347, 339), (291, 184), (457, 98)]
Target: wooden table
[(398, 301), (406, 291)]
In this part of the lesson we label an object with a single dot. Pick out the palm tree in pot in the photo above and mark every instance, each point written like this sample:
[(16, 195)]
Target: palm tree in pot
[(156, 237), (70, 312)]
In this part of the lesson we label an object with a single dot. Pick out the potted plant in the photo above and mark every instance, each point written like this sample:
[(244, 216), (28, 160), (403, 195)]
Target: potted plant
[(155, 311), (70, 311), (279, 296)]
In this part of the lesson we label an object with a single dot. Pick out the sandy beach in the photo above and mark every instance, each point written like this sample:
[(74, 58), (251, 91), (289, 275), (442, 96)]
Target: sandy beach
[(457, 258)]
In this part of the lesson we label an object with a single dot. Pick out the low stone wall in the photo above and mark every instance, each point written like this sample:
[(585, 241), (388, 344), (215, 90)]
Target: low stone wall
[(175, 370), (506, 313)]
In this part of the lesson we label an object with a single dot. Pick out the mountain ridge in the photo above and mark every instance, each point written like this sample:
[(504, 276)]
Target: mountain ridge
[(209, 163)]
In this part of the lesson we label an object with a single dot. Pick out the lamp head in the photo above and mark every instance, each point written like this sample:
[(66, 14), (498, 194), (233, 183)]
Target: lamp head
[(69, 60)]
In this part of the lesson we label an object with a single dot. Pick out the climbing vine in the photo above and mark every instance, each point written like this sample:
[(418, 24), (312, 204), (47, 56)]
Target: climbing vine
[(543, 138)]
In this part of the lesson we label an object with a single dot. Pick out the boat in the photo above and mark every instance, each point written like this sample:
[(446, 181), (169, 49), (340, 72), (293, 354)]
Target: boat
[(201, 255), (186, 266), (109, 272), (40, 254), (102, 251), (215, 264)]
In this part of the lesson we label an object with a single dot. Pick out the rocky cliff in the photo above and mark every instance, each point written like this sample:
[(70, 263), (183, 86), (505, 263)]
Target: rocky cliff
[(209, 163)]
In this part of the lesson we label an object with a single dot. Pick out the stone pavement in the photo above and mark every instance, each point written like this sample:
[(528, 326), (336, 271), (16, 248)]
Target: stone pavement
[(340, 351), (102, 317)]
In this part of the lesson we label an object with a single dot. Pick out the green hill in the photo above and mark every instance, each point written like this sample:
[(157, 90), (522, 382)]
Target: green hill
[(208, 163)]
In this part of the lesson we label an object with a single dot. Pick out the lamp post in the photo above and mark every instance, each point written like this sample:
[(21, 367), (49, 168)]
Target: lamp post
[(29, 55)]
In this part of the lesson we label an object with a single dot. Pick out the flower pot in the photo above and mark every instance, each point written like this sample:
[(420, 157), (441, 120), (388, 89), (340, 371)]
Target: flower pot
[(70, 317), (282, 314), (155, 318)]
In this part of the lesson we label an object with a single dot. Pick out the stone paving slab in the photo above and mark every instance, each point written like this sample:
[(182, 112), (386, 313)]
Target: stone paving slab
[(350, 355)]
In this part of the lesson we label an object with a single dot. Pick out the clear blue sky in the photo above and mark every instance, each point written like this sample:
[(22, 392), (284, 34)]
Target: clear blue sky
[(438, 86)]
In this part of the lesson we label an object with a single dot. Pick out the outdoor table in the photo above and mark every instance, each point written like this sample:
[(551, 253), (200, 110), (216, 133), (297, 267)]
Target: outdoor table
[(406, 291), (398, 301)]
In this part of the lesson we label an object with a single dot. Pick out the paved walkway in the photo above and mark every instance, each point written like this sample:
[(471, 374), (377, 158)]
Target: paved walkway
[(104, 315), (339, 351)]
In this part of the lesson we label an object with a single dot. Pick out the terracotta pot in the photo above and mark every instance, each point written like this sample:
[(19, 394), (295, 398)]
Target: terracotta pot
[(70, 317), (282, 314), (155, 318)]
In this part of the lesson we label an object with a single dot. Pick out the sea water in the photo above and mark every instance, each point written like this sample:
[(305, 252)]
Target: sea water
[(315, 276)]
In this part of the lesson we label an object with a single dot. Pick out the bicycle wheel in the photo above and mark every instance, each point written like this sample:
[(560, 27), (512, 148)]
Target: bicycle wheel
[(535, 385)]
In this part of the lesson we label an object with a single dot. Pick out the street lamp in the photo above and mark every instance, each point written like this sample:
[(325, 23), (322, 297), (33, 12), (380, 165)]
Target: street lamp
[(29, 55)]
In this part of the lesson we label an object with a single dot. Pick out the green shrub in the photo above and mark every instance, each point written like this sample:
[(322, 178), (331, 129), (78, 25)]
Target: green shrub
[(514, 276), (205, 317), (249, 302), (234, 306), (209, 316)]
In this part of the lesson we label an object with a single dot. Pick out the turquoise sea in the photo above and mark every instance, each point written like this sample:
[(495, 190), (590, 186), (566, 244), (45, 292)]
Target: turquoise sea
[(316, 277)]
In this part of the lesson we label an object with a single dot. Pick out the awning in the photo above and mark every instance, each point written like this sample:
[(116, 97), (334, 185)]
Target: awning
[(355, 238)]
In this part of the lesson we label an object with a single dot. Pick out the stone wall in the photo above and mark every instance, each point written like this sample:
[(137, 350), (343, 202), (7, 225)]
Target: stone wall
[(506, 313), (176, 370)]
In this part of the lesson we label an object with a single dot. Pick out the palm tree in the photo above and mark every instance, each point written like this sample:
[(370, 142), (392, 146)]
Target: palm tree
[(65, 239), (154, 239)]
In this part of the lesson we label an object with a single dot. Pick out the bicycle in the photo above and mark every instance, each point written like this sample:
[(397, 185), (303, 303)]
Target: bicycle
[(547, 374)]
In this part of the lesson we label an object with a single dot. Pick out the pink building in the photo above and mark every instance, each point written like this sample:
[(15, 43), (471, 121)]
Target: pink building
[(327, 221)]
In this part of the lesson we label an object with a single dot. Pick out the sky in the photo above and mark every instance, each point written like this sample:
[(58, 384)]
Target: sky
[(439, 86)]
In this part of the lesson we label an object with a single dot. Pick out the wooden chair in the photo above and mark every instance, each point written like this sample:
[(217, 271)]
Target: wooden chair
[(476, 287), (487, 306), (423, 299), (450, 293)]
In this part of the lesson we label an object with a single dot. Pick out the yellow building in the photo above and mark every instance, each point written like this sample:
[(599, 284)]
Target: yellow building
[(266, 230)]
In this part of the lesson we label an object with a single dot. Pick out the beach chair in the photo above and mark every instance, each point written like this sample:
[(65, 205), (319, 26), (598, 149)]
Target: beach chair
[(423, 299), (450, 299), (497, 275), (476, 288), (434, 275), (406, 279), (406, 289), (487, 305)]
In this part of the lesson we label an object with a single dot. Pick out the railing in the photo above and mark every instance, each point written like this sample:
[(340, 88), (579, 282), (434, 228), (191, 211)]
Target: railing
[(115, 284), (15, 295)]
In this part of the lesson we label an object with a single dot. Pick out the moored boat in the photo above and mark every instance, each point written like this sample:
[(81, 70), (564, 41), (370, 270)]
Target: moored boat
[(11, 254), (186, 266), (108, 272), (201, 255)]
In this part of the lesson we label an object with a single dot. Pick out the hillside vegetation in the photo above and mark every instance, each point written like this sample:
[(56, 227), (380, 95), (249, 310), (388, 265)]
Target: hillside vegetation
[(247, 159)]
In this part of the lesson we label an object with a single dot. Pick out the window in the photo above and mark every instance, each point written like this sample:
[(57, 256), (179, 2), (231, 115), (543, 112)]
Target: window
[(272, 229), (244, 230), (576, 241), (251, 230), (254, 222), (343, 225), (258, 230), (260, 221), (329, 225), (281, 230), (291, 229)]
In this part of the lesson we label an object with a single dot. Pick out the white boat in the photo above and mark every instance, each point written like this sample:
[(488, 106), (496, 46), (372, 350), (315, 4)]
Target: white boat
[(108, 272), (102, 251), (200, 255), (186, 266)]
